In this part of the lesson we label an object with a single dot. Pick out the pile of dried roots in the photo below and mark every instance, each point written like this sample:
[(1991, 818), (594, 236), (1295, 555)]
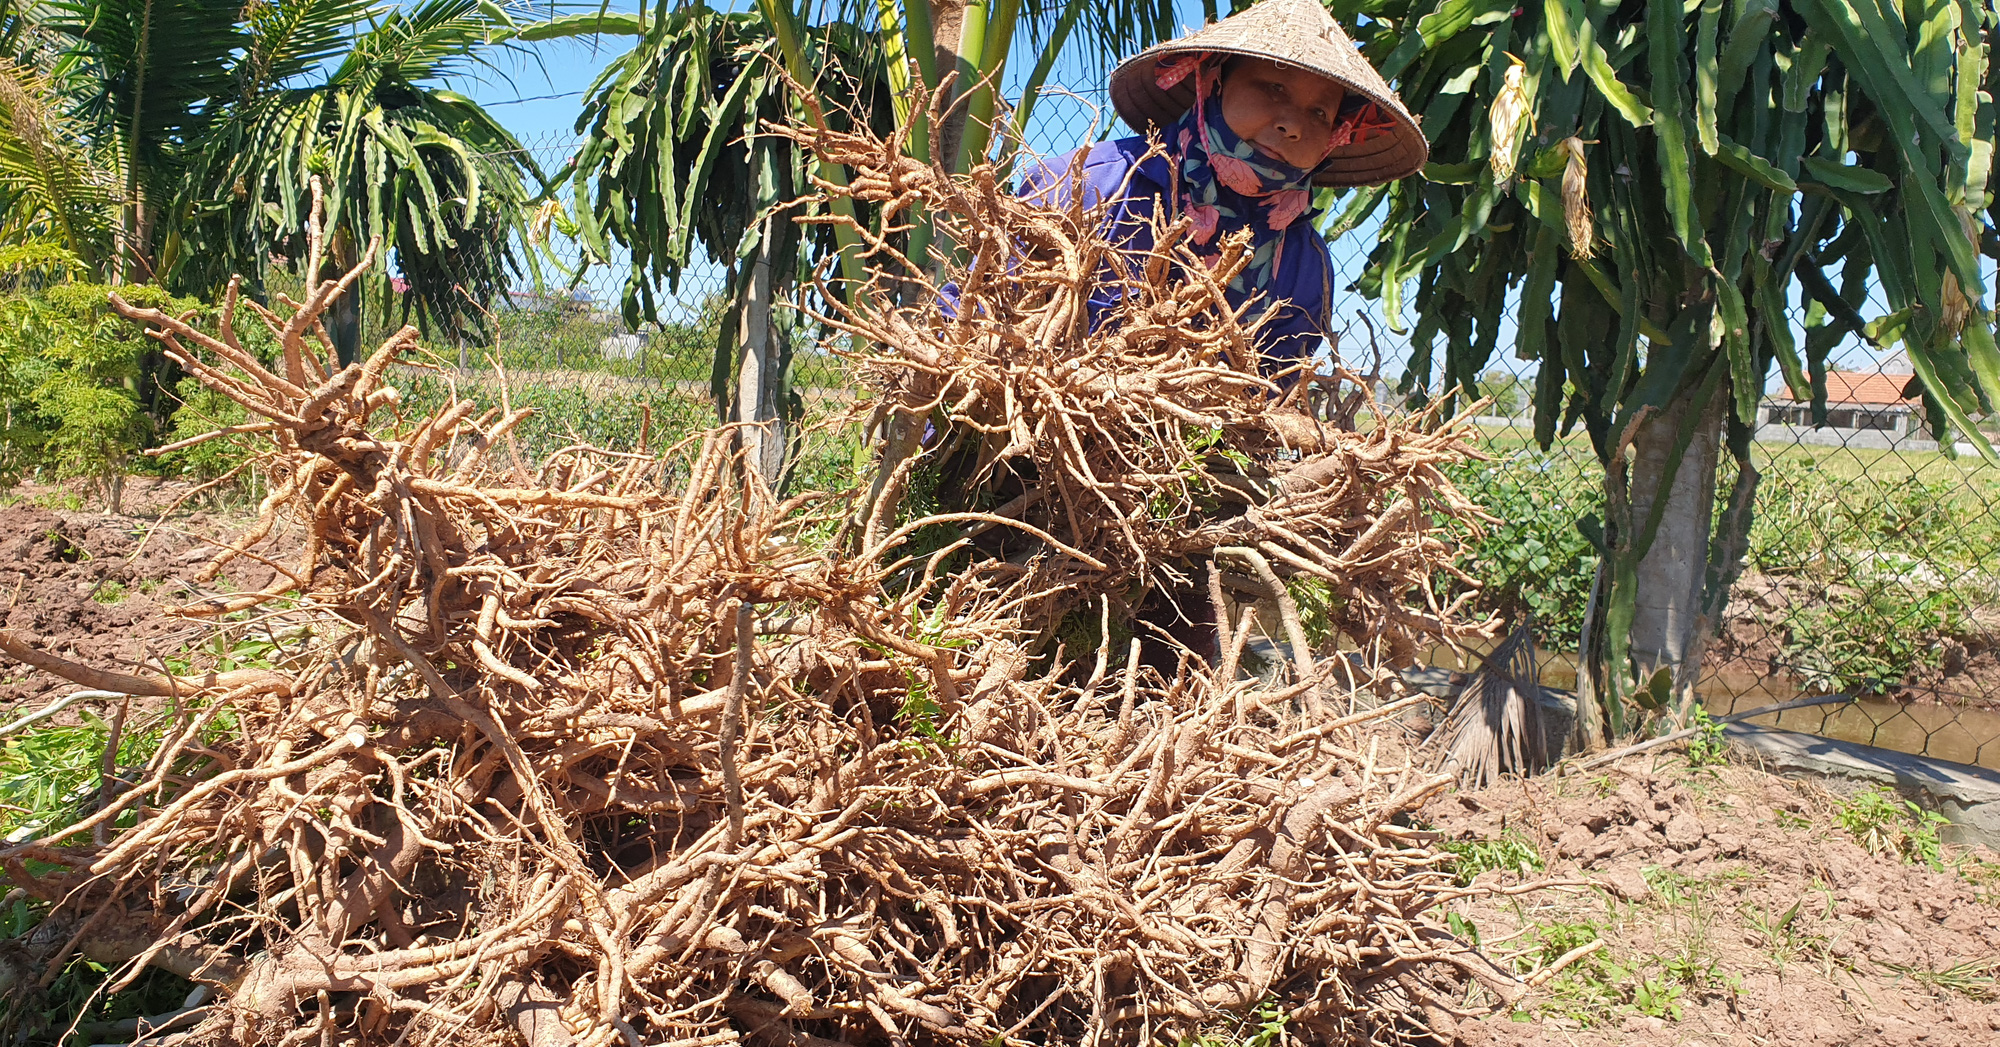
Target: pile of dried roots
[(1156, 438), (624, 748)]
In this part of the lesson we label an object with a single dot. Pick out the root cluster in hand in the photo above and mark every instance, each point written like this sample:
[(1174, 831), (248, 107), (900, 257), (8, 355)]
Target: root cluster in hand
[(629, 748)]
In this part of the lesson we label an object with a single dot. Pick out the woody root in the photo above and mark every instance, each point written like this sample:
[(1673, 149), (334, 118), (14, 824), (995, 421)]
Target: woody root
[(633, 748)]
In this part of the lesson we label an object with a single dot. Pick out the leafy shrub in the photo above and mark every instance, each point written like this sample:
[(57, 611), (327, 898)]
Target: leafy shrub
[(79, 387), (1534, 560), (1872, 641)]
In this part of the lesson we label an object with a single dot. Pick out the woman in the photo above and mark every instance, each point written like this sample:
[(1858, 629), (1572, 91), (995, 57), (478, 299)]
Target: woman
[(1254, 113)]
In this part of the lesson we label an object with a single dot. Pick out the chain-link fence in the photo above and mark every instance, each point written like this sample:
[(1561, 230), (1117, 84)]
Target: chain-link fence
[(1874, 561), (1873, 565)]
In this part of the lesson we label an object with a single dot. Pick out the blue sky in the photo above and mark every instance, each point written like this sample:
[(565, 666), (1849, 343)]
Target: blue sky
[(522, 85)]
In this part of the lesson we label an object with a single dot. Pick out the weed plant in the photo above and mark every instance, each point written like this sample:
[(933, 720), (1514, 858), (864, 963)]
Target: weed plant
[(1533, 560), (1709, 745), (1511, 852), (1886, 824)]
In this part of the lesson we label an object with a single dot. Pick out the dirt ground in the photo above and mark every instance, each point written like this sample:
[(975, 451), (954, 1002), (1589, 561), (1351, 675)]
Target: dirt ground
[(93, 586), (1734, 908)]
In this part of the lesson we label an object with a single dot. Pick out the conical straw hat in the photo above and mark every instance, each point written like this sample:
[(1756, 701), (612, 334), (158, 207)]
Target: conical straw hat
[(1298, 33)]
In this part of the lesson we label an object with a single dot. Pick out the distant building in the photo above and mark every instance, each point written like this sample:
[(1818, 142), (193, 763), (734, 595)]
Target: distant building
[(530, 302), (1863, 409)]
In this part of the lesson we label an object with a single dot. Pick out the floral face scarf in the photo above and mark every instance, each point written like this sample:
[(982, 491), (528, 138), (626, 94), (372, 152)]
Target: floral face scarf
[(1226, 185)]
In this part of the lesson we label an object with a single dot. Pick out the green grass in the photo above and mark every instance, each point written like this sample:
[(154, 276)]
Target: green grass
[(1510, 852), (1886, 824), (1975, 979), (1871, 559)]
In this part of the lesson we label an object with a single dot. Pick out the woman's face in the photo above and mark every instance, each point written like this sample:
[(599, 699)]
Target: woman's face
[(1284, 111)]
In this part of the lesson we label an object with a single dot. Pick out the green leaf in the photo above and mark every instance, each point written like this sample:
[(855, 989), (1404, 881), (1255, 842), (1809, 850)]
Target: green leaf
[(1777, 321), (1562, 17), (1454, 174), (1451, 18), (1734, 156), (1746, 375), (1747, 39), (1887, 77), (1538, 293), (1926, 366), (1846, 177), (593, 23), (1669, 130), (1706, 25), (1597, 66)]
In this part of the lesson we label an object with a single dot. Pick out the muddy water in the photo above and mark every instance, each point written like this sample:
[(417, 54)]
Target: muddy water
[(1961, 734)]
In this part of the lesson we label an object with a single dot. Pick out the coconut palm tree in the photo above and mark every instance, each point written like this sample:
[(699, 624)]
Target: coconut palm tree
[(176, 142), (139, 80)]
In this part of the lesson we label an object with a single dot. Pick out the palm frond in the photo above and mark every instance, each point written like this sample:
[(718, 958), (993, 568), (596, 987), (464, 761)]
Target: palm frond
[(52, 189), (434, 39), (291, 38)]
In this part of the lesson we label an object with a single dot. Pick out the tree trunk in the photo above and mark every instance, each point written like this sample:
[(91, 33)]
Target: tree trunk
[(1674, 570), (947, 20), (345, 328), (758, 376), (1656, 594)]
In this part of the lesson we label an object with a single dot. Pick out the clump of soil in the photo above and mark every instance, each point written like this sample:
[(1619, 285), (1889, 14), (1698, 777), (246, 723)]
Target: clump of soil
[(95, 588), (1733, 908)]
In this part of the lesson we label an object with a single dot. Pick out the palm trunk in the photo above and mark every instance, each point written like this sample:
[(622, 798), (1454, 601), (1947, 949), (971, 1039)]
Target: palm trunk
[(345, 330), (1662, 578), (758, 376)]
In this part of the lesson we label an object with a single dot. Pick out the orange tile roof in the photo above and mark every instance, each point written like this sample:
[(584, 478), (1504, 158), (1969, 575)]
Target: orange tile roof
[(1863, 387)]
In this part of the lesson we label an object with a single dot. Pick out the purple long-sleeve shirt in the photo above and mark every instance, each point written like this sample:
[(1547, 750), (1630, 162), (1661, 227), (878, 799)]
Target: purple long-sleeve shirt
[(1302, 286)]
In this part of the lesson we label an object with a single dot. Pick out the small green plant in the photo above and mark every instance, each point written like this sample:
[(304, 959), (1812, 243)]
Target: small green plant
[(1708, 747), (110, 591), (1984, 876), (1585, 991), (62, 499), (1511, 851), (1657, 997), (1885, 824), (1791, 819), (1781, 934), (1974, 979), (1265, 1028)]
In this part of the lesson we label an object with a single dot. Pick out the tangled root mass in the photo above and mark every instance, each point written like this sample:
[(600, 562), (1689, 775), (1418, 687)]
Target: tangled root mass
[(630, 748)]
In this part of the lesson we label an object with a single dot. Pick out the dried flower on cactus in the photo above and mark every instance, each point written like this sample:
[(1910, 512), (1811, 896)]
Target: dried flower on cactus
[(1576, 200), (1510, 114), (1954, 307)]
